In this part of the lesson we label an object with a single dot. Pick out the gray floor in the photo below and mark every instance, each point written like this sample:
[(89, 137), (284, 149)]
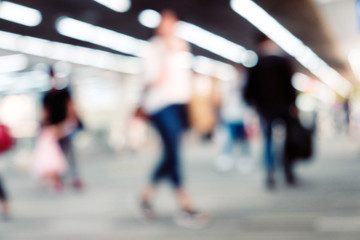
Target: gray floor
[(325, 206)]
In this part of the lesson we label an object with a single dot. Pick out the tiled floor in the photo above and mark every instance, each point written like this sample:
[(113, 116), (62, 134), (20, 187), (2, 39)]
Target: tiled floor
[(325, 206)]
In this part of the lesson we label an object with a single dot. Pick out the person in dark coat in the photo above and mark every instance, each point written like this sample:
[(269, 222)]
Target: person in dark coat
[(269, 90)]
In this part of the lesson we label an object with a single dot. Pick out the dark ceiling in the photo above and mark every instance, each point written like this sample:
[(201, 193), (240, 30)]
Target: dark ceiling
[(299, 16)]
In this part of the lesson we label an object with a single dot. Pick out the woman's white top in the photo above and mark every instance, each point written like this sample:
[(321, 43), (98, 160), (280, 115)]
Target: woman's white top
[(170, 61)]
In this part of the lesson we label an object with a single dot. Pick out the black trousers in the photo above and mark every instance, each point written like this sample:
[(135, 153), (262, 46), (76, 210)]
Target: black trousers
[(3, 196)]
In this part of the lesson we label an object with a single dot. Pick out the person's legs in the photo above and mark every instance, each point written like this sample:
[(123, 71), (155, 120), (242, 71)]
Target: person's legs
[(3, 199), (184, 199), (189, 217), (241, 136), (170, 129), (54, 182), (169, 125), (269, 160), (68, 150), (288, 166), (160, 169), (245, 163), (288, 163), (229, 143), (226, 160)]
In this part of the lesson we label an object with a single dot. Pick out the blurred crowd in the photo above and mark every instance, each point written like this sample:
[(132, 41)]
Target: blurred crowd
[(173, 99)]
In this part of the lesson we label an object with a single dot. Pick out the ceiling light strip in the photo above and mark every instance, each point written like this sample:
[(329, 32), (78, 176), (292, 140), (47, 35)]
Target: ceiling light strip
[(13, 63), (19, 14), (216, 44), (100, 36), (116, 5), (70, 53)]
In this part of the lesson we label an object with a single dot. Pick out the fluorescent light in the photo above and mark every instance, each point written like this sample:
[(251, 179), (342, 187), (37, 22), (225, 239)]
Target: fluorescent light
[(149, 18), (100, 36), (116, 5), (291, 44), (19, 14), (13, 63), (216, 44), (210, 67), (70, 53)]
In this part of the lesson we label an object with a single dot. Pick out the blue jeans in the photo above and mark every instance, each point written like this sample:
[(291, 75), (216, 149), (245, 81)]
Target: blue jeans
[(236, 132), (170, 122), (269, 158)]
